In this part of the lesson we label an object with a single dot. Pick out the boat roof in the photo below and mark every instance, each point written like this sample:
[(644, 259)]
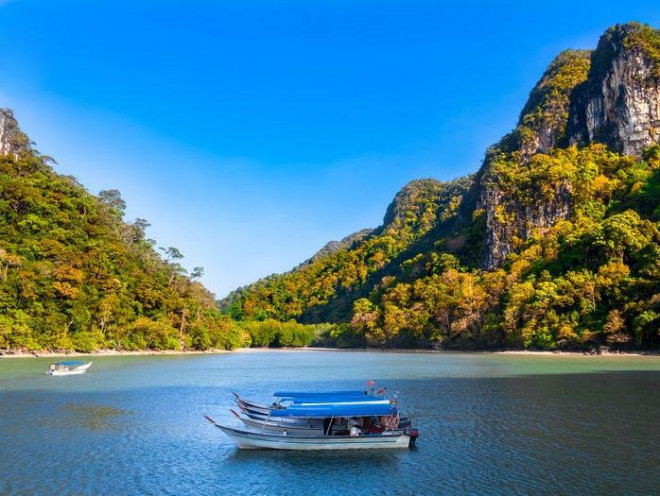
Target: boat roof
[(336, 399), (357, 409), (71, 362), (317, 394), (342, 401)]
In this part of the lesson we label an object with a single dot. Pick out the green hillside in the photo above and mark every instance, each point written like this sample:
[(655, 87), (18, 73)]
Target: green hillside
[(324, 289), (73, 275), (553, 243)]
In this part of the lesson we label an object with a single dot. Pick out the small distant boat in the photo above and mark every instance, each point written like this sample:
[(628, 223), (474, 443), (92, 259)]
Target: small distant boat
[(74, 367)]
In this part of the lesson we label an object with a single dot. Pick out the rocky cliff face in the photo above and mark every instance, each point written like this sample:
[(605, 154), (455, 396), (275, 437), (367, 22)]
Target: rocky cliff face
[(610, 96), (526, 185), (12, 140), (541, 127), (510, 221), (619, 104), (542, 122)]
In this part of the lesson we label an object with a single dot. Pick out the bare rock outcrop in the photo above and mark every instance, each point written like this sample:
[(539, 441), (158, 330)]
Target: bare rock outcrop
[(619, 104), (609, 96), (541, 127)]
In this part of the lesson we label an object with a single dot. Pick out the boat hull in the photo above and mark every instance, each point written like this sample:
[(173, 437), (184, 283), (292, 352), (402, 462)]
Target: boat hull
[(253, 408), (73, 371), (292, 429), (265, 417), (257, 440)]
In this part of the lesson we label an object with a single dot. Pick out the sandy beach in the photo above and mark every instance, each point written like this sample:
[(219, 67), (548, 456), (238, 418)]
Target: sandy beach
[(75, 354)]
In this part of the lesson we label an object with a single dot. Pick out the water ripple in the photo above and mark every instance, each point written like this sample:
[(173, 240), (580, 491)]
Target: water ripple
[(138, 428)]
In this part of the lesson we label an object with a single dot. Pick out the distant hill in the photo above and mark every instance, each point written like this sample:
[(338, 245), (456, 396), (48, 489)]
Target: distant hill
[(553, 243)]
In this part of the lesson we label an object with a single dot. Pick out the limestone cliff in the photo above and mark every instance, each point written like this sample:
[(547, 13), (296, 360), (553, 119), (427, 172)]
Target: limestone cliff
[(12, 139), (610, 97), (541, 127), (619, 103), (542, 122)]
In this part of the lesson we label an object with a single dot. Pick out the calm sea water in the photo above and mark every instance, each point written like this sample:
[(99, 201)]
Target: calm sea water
[(490, 424)]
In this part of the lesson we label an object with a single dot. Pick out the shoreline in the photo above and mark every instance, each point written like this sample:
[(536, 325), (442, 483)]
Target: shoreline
[(74, 354), (102, 353)]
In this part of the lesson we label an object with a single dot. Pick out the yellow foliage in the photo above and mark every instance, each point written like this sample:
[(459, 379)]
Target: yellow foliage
[(601, 185), (70, 274), (637, 187), (65, 289)]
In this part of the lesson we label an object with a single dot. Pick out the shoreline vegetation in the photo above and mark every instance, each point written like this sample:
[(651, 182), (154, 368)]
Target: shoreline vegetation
[(104, 353)]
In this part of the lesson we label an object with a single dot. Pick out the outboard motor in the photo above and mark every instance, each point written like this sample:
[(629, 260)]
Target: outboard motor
[(404, 422), (413, 432)]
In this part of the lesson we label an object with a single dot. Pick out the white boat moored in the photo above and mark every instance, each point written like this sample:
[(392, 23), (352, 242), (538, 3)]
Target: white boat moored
[(330, 421), (246, 439), (74, 367)]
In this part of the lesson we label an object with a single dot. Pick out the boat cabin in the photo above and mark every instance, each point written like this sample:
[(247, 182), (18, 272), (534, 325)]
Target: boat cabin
[(358, 426)]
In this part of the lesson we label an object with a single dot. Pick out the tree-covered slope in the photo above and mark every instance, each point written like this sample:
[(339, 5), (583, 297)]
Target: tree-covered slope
[(592, 278), (73, 275), (324, 288), (553, 243)]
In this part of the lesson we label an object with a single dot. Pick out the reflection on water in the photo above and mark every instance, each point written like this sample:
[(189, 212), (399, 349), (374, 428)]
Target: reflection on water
[(490, 424)]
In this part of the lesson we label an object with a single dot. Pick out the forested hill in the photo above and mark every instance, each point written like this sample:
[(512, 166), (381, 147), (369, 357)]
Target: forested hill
[(74, 275), (554, 242)]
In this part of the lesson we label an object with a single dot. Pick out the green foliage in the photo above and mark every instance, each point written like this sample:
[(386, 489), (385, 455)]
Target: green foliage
[(580, 227), (74, 276), (582, 231), (647, 39), (548, 104), (276, 334), (418, 211), (591, 279)]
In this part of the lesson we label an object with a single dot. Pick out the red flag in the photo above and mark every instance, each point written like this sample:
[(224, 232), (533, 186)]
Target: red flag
[(371, 383), (381, 391)]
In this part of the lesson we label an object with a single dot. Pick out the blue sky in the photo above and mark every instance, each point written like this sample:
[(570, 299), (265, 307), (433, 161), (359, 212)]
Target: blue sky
[(250, 133)]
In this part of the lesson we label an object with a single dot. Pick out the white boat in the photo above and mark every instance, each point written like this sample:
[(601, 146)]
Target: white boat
[(74, 367), (338, 425), (248, 439)]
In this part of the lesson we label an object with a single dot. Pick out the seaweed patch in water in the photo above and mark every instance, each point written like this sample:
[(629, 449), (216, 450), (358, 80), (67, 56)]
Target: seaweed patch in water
[(95, 417)]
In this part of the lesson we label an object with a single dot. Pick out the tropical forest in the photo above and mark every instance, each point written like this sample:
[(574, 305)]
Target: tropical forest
[(553, 243)]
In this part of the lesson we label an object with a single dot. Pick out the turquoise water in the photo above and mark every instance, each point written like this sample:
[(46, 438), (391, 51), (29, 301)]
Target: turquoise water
[(489, 424)]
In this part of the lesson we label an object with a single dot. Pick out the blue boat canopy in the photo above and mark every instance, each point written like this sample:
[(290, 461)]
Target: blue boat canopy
[(72, 362), (332, 400), (317, 394), (341, 400), (367, 409)]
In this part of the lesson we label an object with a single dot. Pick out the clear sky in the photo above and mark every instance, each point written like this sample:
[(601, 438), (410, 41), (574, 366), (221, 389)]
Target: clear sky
[(250, 133)]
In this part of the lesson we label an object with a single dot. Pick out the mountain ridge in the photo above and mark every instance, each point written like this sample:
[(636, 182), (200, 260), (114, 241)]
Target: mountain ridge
[(533, 181)]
